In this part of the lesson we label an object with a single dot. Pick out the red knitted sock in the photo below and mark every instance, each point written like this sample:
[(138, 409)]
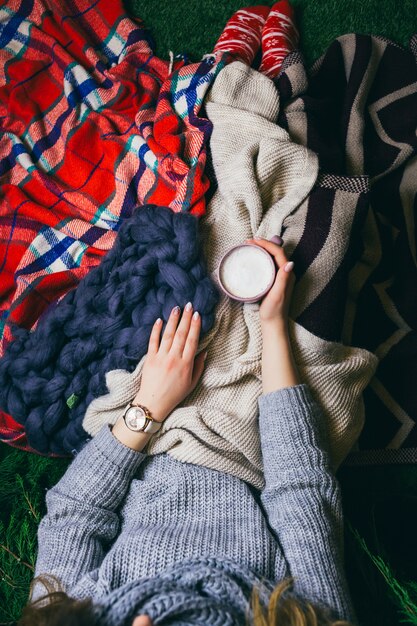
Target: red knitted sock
[(242, 33), (279, 37)]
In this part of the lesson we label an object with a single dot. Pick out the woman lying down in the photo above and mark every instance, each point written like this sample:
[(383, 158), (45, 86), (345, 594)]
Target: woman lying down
[(224, 553)]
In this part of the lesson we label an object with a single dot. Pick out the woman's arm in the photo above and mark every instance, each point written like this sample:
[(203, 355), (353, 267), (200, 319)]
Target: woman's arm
[(82, 520), (301, 497), (278, 366)]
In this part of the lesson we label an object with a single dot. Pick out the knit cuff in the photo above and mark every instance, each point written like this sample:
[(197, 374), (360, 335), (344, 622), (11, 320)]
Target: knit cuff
[(115, 451), (286, 399)]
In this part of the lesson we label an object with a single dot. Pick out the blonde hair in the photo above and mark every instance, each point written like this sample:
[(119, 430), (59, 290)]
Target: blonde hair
[(287, 610), (56, 608)]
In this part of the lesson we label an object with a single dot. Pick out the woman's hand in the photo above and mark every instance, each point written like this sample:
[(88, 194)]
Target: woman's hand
[(275, 304), (279, 369), (171, 371)]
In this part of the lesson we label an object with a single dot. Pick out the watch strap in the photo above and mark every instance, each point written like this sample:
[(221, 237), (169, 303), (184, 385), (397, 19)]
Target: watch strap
[(151, 426)]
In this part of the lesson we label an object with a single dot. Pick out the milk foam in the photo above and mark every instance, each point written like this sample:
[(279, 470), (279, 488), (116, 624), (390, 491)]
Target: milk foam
[(246, 272)]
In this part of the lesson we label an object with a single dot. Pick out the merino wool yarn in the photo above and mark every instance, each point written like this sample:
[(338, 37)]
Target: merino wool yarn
[(50, 375)]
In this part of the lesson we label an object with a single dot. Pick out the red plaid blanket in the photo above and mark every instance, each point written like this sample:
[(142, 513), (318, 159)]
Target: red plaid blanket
[(93, 123)]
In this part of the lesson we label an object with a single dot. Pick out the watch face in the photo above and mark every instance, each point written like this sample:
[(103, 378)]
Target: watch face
[(135, 418)]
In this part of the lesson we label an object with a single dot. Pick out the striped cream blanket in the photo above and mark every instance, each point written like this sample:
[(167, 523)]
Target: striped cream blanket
[(357, 109)]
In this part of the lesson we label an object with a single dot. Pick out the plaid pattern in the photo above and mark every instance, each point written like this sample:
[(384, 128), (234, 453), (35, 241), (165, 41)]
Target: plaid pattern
[(92, 125), (358, 112)]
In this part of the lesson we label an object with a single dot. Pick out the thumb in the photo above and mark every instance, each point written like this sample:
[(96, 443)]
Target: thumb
[(288, 282), (198, 368)]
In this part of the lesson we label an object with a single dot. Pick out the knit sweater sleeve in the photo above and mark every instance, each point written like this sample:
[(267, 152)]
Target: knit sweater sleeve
[(302, 497), (81, 519)]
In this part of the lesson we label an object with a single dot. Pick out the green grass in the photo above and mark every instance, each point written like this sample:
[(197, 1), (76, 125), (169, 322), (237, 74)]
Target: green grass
[(380, 502), (380, 505), (24, 479), (193, 26)]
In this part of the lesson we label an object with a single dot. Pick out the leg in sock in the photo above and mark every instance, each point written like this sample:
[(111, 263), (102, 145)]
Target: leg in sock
[(279, 37), (242, 33)]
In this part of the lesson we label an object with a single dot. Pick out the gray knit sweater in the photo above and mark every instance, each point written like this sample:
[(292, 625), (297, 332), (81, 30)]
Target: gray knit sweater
[(119, 517)]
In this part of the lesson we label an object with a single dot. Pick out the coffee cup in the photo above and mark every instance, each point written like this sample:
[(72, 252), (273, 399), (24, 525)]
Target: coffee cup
[(246, 272)]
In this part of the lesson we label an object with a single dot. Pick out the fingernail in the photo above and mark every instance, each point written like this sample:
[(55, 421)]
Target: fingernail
[(176, 310), (277, 239), (158, 321), (256, 237), (288, 266), (188, 306), (204, 356), (196, 315)]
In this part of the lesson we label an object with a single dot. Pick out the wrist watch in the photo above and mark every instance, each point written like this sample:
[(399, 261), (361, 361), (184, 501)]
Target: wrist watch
[(138, 418)]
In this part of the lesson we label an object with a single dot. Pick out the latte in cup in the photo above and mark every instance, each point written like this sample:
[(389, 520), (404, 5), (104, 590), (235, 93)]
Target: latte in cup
[(246, 272)]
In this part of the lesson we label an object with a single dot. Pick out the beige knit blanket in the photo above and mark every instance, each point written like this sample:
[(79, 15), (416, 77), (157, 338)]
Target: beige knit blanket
[(263, 178)]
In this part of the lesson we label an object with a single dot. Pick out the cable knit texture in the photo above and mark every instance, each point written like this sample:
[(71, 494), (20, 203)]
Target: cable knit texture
[(185, 543), (263, 177), (49, 376)]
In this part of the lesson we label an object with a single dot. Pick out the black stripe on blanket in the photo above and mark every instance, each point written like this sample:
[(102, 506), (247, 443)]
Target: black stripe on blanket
[(324, 232)]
